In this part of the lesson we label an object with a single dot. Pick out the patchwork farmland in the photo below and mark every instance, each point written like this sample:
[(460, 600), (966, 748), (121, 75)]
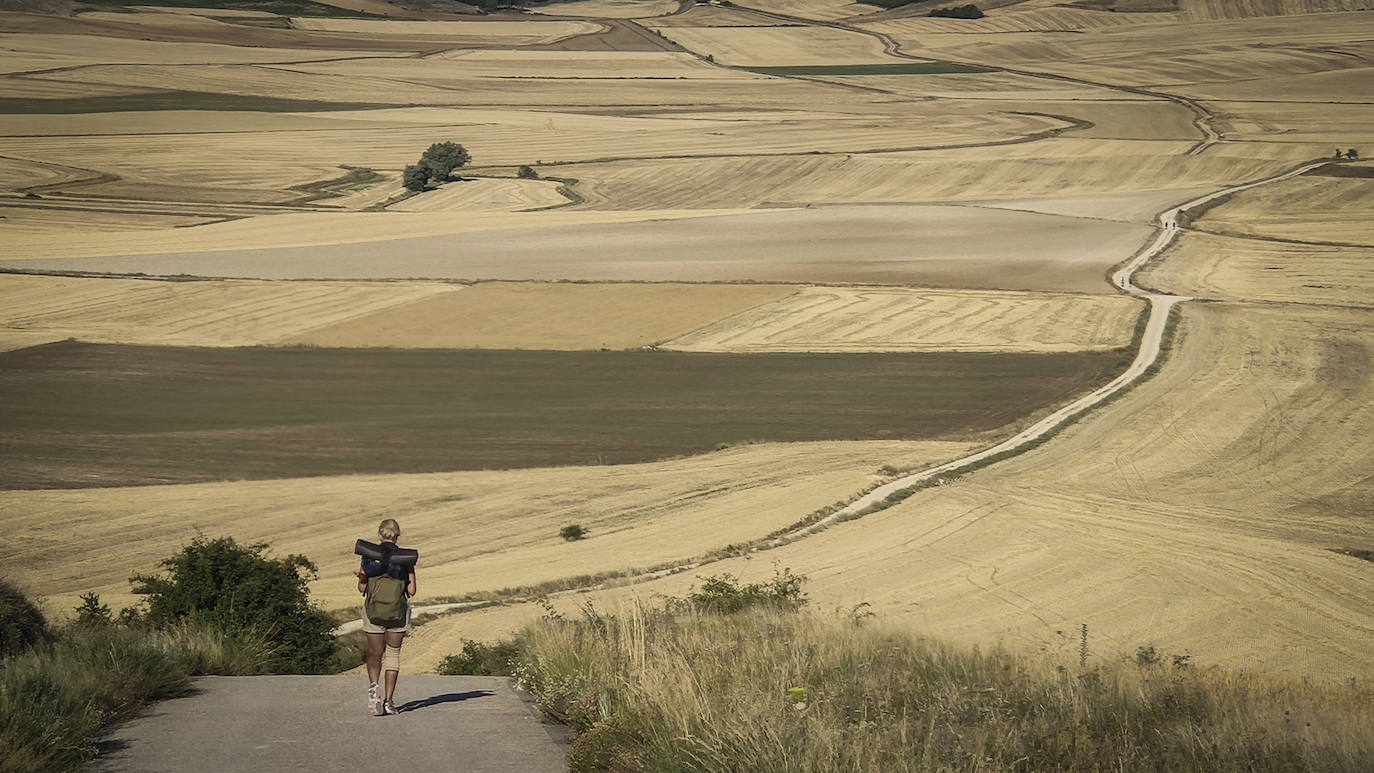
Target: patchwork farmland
[(765, 257)]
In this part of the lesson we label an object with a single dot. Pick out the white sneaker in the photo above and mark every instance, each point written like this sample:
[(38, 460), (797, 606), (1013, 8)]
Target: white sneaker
[(374, 701), (389, 708)]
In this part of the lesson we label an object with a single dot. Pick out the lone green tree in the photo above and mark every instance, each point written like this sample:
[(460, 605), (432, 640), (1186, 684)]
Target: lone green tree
[(444, 157), (436, 164)]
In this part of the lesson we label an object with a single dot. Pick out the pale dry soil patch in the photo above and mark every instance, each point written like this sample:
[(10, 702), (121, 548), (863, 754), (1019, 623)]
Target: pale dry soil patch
[(1054, 168), (312, 229), (1225, 268), (1144, 49), (1195, 515), (504, 315), (926, 245), (849, 319), (477, 195), (477, 531), (1306, 208), (778, 46)]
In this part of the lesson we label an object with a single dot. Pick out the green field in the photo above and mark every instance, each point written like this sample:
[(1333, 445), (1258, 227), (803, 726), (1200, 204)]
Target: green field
[(908, 68), (79, 415)]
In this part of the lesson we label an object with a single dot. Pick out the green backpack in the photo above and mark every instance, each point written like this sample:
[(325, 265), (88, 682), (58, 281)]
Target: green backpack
[(385, 603)]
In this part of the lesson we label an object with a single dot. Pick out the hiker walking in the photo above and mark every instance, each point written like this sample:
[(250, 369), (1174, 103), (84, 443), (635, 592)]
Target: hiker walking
[(387, 581)]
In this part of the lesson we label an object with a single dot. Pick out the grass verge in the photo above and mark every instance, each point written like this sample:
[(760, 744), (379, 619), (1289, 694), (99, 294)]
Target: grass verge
[(58, 698), (682, 688)]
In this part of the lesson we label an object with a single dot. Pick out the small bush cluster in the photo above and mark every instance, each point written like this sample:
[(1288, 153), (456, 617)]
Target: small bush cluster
[(435, 165), (573, 532), (723, 593), (478, 659), (969, 11)]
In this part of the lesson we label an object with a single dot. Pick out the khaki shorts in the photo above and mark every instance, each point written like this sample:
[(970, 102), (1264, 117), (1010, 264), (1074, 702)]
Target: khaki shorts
[(368, 627)]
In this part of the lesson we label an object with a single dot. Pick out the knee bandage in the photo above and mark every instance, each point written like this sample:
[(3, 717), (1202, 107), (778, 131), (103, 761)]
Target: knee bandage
[(391, 659)]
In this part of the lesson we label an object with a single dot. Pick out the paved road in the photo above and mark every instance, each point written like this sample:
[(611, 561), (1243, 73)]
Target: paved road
[(261, 724)]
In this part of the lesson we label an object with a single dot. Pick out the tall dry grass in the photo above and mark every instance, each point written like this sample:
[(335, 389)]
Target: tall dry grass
[(771, 690), (57, 698)]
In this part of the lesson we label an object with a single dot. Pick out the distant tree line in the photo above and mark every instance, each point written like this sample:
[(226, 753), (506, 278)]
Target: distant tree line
[(969, 11), (435, 165)]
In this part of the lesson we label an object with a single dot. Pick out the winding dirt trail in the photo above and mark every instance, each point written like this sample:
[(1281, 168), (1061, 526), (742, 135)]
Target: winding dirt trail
[(1151, 345)]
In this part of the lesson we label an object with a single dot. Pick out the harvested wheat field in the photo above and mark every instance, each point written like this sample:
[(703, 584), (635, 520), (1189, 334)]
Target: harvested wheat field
[(1226, 268), (874, 241), (933, 246), (529, 315), (477, 530), (831, 319), (187, 313), (1197, 515)]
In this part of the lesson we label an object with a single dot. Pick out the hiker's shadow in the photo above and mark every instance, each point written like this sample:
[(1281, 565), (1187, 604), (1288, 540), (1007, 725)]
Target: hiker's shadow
[(452, 697)]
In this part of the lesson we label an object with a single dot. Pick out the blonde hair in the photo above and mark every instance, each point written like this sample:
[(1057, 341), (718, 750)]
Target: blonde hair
[(389, 530)]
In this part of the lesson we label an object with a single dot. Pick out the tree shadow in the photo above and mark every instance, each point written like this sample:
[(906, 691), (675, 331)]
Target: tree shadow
[(452, 697)]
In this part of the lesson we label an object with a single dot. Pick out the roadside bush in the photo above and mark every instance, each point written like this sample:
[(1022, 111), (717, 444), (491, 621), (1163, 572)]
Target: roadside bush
[(22, 625), (237, 588), (723, 593), (56, 699), (527, 173), (478, 659)]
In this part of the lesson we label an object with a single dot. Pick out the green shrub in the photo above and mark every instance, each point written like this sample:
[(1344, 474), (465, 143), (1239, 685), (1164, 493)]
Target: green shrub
[(478, 659), (527, 173), (92, 612), (22, 625), (572, 532), (237, 588), (723, 593), (443, 157)]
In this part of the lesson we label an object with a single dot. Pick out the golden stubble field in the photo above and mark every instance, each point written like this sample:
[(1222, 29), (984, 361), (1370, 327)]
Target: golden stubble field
[(1197, 514)]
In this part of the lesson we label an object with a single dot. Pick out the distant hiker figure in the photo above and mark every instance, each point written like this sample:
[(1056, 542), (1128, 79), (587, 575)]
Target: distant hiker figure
[(387, 581)]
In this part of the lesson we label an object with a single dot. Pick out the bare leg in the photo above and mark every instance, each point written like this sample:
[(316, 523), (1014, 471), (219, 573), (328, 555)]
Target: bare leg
[(393, 639), (374, 657)]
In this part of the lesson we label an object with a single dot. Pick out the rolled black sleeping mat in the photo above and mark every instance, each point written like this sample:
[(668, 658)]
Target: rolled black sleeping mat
[(387, 553)]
